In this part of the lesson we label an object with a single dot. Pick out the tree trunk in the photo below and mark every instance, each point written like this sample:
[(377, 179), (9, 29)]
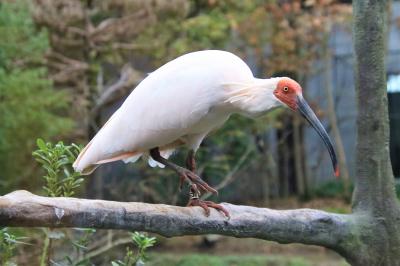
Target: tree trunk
[(374, 192)]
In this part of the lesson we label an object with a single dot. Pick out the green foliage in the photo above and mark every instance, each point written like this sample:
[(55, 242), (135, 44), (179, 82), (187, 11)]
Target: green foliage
[(244, 260), (142, 242), (208, 25), (29, 107), (57, 160), (60, 180), (19, 39), (8, 244), (129, 260), (337, 210), (83, 241), (330, 189), (80, 246)]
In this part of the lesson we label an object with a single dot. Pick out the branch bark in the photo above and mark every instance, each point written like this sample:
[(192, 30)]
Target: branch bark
[(22, 208)]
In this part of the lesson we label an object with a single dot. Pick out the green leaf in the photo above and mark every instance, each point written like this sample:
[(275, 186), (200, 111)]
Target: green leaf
[(41, 144)]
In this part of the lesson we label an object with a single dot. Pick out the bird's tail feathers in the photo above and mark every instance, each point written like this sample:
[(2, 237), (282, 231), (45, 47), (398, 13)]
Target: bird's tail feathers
[(76, 164), (85, 168), (90, 169)]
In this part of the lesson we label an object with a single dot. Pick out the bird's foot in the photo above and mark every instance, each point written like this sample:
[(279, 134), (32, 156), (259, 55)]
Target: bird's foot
[(205, 204), (194, 181)]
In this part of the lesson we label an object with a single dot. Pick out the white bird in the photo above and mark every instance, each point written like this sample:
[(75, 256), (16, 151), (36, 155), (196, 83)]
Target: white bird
[(180, 104)]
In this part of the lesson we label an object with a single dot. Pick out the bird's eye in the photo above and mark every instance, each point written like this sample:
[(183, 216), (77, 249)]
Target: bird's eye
[(285, 89)]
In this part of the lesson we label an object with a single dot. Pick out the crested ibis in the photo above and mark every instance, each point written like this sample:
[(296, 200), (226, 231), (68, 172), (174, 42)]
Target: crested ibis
[(180, 103)]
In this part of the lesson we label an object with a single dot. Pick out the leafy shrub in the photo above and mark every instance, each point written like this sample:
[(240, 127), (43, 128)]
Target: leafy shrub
[(330, 189), (8, 244), (143, 242), (57, 160)]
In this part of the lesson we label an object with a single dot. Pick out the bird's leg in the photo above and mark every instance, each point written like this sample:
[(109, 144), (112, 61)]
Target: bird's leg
[(190, 164), (195, 200), (194, 196), (184, 173), (190, 161)]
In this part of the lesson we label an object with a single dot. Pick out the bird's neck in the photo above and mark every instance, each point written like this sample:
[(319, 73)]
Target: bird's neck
[(253, 98)]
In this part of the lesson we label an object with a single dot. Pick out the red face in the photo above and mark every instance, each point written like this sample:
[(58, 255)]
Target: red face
[(287, 91)]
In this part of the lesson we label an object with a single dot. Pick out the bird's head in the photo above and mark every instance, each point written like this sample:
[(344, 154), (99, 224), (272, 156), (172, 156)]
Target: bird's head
[(287, 91), (290, 93)]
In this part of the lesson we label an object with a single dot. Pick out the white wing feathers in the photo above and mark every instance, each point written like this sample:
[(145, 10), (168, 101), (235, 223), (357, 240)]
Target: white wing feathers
[(166, 106)]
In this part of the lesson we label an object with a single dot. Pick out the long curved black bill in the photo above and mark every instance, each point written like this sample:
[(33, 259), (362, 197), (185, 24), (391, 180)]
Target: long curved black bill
[(308, 114)]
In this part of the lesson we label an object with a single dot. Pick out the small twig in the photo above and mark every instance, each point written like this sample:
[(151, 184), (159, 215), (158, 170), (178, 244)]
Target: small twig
[(128, 78), (105, 248), (229, 177)]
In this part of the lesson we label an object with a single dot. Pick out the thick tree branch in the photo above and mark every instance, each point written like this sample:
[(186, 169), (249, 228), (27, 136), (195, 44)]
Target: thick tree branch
[(21, 208)]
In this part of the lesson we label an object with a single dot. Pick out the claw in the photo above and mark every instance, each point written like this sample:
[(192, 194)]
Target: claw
[(197, 202), (218, 207), (206, 205)]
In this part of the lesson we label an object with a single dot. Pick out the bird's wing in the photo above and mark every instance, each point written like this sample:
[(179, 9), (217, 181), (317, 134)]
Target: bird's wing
[(164, 107)]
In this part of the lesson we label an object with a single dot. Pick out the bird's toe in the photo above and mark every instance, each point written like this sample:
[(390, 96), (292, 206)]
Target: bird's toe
[(206, 205)]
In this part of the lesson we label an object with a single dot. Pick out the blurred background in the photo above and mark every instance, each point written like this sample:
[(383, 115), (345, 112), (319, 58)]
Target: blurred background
[(67, 65)]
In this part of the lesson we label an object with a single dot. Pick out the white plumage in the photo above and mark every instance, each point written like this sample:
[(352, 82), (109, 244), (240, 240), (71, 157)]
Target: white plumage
[(179, 104)]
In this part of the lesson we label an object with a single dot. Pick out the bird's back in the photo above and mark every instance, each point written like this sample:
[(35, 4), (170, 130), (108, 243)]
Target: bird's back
[(165, 106)]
